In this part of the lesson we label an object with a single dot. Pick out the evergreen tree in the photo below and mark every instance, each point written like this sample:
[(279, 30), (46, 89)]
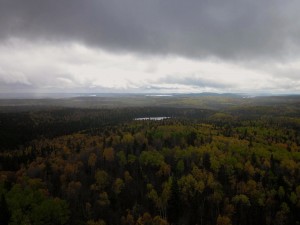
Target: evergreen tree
[(174, 203), (4, 211), (206, 161)]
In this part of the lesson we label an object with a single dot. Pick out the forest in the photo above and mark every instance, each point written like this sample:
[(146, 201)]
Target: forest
[(235, 162)]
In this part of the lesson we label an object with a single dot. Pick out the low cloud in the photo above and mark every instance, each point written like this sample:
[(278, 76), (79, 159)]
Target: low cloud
[(73, 67), (197, 82)]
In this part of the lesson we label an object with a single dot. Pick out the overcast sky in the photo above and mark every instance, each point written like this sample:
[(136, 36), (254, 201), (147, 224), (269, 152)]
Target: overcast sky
[(150, 46)]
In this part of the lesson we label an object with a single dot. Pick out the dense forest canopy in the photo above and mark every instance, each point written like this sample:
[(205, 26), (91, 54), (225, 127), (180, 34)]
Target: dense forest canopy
[(235, 164)]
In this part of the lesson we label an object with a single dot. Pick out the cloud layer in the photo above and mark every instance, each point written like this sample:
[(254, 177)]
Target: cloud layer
[(225, 29), (28, 67), (157, 45)]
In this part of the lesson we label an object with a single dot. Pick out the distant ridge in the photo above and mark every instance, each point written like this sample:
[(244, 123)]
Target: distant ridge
[(58, 95), (213, 94)]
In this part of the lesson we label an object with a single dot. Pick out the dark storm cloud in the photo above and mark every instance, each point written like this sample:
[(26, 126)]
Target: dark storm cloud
[(231, 29)]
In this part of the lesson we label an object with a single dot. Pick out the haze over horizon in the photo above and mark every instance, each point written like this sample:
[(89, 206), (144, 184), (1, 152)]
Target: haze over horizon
[(139, 46)]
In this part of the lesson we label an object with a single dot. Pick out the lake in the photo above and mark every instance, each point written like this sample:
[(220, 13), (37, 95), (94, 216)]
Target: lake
[(152, 118)]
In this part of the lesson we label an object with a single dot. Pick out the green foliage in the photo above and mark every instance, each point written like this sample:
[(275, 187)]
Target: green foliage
[(235, 167), (241, 199), (103, 199), (102, 180), (189, 187), (180, 167), (118, 185), (121, 158), (151, 158), (50, 212), (223, 220), (33, 206)]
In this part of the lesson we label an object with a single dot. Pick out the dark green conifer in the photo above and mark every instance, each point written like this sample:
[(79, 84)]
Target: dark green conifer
[(4, 211)]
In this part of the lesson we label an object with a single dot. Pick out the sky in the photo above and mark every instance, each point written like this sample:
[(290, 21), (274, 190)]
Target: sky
[(157, 46)]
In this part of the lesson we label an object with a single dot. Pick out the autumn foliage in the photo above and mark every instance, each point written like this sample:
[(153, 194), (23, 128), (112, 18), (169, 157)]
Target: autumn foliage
[(207, 170)]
